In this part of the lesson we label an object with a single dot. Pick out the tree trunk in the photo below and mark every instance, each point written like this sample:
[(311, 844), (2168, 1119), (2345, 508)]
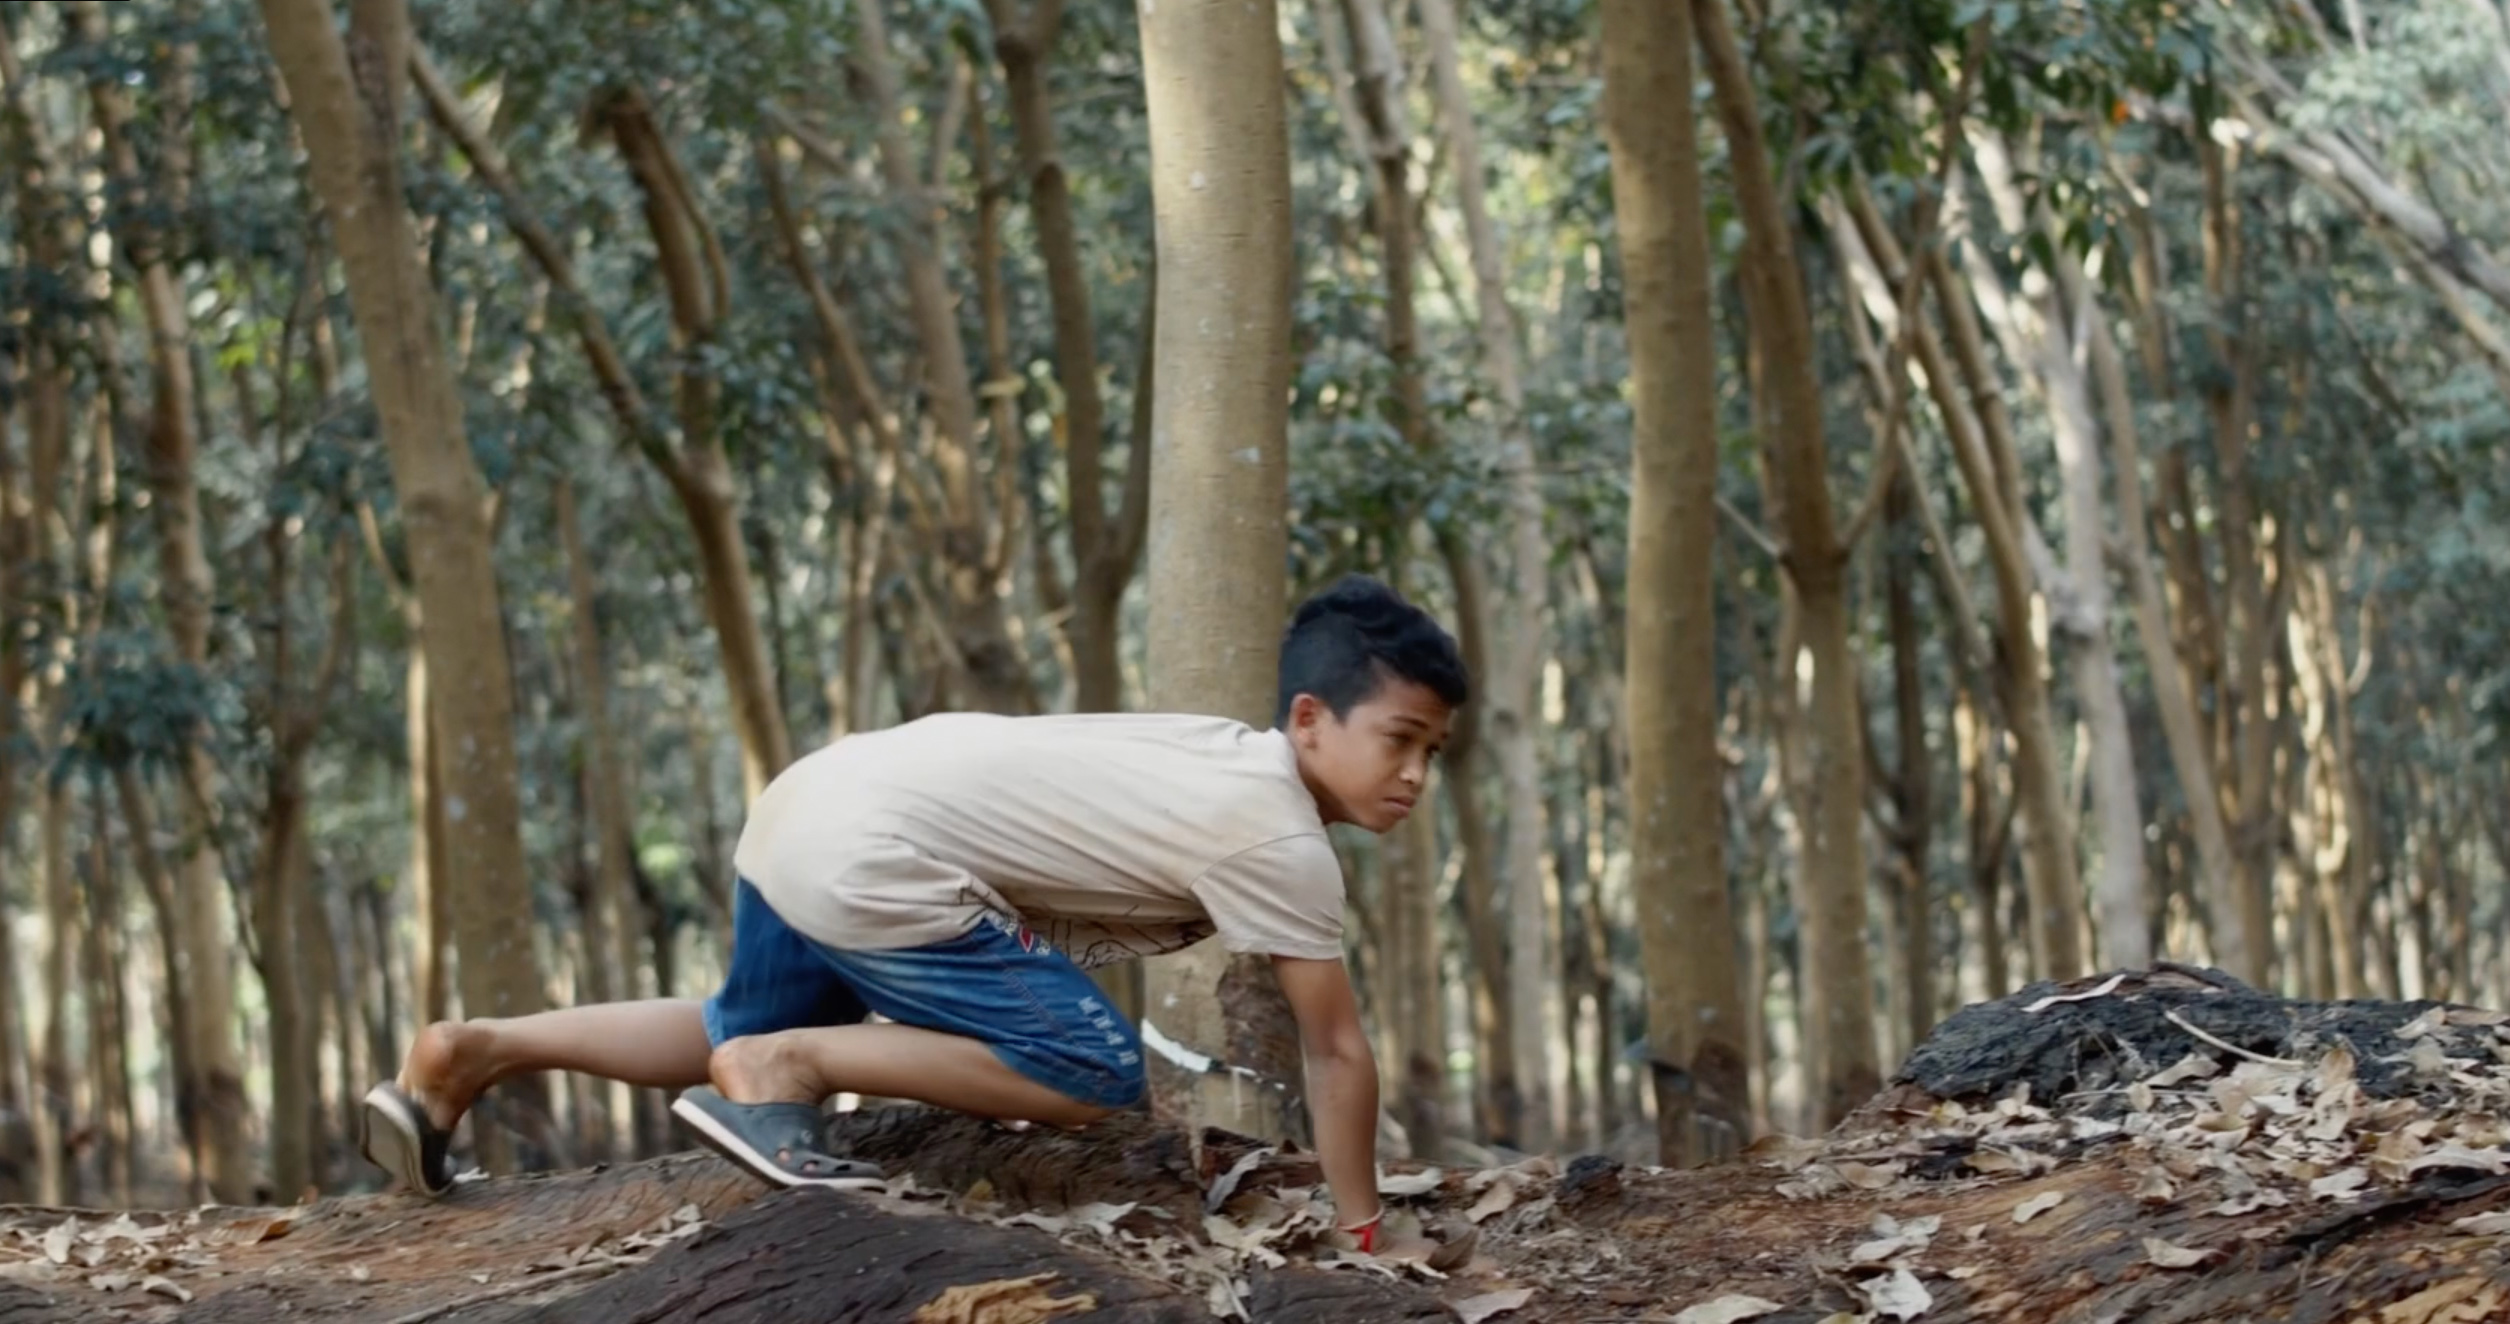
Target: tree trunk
[(1218, 543), (1983, 457), (1913, 783), (2230, 402), (2038, 328), (347, 103), (1695, 1017), (107, 1010), (1831, 893), (971, 554), (699, 472), (1414, 998), (56, 1075), (2173, 693), (185, 581), (159, 881), (609, 923), (1105, 553), (1515, 682)]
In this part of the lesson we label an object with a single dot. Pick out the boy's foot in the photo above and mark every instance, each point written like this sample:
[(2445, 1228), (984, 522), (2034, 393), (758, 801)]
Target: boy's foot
[(447, 1069), (396, 1135), (777, 1142)]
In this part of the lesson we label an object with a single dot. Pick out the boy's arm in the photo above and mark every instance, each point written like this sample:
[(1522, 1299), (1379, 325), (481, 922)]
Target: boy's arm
[(1341, 1083)]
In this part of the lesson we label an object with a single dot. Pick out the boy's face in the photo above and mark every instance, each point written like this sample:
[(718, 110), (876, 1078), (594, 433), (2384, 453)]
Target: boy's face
[(1367, 767)]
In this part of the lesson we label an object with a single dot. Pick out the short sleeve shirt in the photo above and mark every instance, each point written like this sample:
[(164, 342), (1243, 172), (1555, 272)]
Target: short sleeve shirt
[(1112, 835)]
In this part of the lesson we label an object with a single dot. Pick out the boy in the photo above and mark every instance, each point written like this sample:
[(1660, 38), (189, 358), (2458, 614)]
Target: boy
[(956, 873)]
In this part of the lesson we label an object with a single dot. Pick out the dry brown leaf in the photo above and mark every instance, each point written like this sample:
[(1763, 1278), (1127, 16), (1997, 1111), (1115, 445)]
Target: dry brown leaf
[(2458, 1301), (165, 1287), (2477, 1016), (2171, 1256), (1491, 1305), (2195, 1066), (110, 1282), (1411, 1183), (2156, 1187), (2037, 1205), (1868, 1176), (1893, 1237), (2427, 1058), (1963, 1273), (1457, 1253), (2141, 1097), (57, 1241), (1900, 1296), (1497, 1200), (1732, 1308), (2340, 1184), (2495, 1224), (2427, 1023), (1004, 1301), (359, 1273)]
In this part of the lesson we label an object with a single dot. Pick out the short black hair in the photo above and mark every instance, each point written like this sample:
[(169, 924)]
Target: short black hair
[(1346, 641)]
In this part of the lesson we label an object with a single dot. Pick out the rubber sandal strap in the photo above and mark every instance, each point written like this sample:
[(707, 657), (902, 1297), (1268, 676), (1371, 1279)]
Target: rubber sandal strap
[(784, 1136)]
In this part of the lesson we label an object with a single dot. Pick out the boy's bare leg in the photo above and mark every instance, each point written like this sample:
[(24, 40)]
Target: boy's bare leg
[(897, 1061), (659, 1042)]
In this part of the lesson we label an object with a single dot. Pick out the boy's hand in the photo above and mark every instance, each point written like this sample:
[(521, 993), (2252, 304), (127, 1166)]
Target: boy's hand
[(1341, 1085)]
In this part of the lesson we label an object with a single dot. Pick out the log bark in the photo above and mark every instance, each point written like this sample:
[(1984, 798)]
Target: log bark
[(1590, 1243)]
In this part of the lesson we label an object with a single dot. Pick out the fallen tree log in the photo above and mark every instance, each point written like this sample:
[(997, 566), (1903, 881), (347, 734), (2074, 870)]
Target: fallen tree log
[(2166, 1147)]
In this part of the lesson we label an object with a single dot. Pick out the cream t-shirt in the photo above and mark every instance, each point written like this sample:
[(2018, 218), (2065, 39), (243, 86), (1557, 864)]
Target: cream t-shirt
[(1110, 835)]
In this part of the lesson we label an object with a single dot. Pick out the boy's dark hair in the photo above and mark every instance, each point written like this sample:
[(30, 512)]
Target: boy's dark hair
[(1347, 640)]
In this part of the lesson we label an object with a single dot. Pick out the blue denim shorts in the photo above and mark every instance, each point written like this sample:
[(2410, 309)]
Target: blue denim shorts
[(999, 984)]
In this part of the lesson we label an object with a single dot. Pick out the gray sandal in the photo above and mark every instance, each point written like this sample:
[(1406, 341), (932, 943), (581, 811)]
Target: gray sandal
[(777, 1142), (396, 1136)]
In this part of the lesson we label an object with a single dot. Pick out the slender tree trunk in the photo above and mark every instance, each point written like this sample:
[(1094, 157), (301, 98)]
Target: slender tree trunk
[(56, 1075), (1694, 997), (1831, 907), (609, 926), (159, 880), (346, 98), (2230, 405), (699, 472), (1220, 185), (1415, 996), (108, 1009), (1516, 679), (2037, 328), (186, 582), (1983, 457), (1913, 784), (1105, 551), (2173, 694)]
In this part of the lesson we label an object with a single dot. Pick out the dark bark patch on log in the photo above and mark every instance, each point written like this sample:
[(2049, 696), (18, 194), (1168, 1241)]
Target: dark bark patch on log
[(1981, 1052), (1340, 1296), (1129, 1158), (27, 1305), (815, 1255)]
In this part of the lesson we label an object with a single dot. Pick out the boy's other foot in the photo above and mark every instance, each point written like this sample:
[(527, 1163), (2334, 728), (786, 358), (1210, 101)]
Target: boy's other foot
[(776, 1142), (449, 1065)]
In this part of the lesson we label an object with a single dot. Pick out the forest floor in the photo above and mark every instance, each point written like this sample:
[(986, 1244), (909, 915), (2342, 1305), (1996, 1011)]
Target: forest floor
[(2163, 1147)]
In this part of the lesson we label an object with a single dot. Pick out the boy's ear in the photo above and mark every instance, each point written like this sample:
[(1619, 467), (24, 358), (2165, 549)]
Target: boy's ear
[(1307, 713)]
